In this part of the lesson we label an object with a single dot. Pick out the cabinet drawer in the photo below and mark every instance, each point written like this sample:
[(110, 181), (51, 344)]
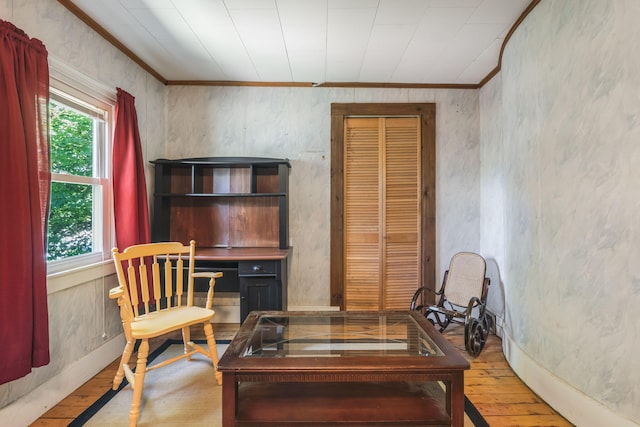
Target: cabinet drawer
[(257, 268)]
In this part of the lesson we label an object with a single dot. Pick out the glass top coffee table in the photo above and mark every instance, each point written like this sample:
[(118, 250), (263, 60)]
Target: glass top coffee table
[(356, 368)]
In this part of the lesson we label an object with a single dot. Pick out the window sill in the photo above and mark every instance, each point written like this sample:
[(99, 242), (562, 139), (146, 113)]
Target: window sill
[(62, 280)]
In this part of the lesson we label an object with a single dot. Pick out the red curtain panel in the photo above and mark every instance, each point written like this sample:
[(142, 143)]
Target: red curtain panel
[(25, 181), (129, 187)]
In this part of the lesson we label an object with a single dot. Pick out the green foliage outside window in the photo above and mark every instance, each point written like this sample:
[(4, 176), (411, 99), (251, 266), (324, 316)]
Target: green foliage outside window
[(70, 220)]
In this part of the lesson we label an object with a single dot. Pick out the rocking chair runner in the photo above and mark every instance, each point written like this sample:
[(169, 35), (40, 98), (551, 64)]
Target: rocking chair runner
[(152, 305), (462, 299)]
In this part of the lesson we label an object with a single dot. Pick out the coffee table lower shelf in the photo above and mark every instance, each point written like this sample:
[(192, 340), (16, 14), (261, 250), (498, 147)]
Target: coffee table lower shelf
[(350, 403)]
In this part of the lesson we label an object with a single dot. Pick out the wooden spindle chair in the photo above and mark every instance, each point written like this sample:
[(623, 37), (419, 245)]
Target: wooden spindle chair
[(153, 303)]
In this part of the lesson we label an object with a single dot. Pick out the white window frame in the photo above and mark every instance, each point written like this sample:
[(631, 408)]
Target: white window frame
[(66, 83)]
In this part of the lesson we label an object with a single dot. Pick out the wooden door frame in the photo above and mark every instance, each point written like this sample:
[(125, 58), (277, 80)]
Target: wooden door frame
[(427, 114)]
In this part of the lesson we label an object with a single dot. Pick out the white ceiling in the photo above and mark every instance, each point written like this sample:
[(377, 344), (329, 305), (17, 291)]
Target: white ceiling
[(312, 41)]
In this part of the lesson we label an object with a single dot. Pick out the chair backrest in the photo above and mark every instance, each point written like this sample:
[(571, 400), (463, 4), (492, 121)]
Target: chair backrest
[(151, 275), (465, 278)]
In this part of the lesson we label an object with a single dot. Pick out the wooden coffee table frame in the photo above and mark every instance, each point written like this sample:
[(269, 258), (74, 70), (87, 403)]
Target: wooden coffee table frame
[(354, 390)]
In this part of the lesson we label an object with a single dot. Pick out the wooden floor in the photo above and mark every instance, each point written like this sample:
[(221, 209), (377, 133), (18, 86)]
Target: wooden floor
[(499, 395), (491, 386)]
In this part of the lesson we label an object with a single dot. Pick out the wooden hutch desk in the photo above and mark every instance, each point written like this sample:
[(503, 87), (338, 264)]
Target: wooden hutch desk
[(236, 209)]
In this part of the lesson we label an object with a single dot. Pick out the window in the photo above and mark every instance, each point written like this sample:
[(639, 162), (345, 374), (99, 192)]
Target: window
[(80, 226)]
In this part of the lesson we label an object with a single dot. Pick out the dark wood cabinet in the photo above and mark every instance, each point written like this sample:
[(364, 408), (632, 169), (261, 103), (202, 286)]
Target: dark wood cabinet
[(261, 286), (236, 209)]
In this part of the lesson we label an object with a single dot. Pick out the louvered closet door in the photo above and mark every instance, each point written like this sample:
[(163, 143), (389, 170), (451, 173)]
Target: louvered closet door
[(381, 212), (401, 214), (362, 213)]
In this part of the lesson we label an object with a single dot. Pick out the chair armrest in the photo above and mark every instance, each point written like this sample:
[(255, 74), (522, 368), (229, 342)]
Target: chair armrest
[(417, 295), (126, 310), (473, 302), (424, 288), (116, 292), (209, 274), (414, 300)]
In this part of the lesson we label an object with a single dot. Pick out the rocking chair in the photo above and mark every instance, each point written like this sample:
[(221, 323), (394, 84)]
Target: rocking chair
[(462, 299)]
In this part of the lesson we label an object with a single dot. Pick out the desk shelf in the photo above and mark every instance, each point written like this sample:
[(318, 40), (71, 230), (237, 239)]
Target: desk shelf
[(222, 201)]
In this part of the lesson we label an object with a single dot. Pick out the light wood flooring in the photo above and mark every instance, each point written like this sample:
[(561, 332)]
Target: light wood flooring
[(491, 386)]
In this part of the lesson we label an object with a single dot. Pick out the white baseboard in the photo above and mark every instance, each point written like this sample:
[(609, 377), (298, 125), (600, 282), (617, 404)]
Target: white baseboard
[(226, 314), (580, 409), (31, 406), (499, 324)]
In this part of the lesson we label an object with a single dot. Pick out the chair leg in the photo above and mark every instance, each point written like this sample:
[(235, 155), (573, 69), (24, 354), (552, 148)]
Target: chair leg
[(442, 323), (213, 351), (141, 368), (126, 354), (186, 337)]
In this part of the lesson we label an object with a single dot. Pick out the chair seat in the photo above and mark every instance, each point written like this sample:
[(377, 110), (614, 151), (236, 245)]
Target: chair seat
[(163, 321)]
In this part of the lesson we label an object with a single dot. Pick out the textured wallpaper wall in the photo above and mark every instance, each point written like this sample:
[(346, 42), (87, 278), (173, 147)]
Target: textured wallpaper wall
[(294, 123), (560, 155)]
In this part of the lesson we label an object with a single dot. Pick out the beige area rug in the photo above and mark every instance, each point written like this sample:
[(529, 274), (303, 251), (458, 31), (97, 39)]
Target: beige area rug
[(184, 393)]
